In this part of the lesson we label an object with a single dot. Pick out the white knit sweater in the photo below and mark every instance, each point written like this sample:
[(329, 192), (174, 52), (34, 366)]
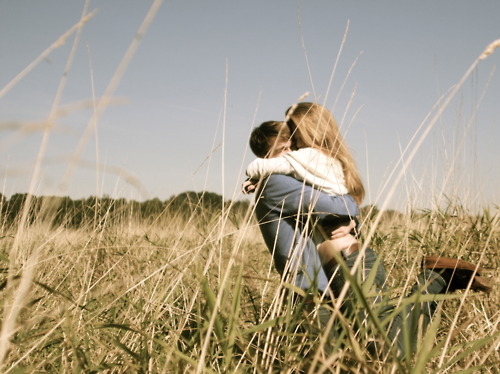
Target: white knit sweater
[(306, 164)]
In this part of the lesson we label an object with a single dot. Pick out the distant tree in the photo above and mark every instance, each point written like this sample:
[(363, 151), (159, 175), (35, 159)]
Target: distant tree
[(152, 208), (15, 206), (76, 215), (189, 203), (3, 202), (64, 211), (238, 211), (3, 205)]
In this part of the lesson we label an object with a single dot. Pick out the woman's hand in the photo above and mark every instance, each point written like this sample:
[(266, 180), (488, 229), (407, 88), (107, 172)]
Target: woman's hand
[(249, 186)]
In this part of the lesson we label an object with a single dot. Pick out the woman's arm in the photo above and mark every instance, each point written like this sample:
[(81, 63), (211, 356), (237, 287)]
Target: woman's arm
[(263, 167)]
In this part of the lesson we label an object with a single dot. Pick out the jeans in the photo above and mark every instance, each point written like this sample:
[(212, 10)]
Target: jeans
[(285, 208), (403, 328)]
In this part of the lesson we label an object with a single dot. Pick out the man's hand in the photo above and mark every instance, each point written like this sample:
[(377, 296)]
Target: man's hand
[(336, 232)]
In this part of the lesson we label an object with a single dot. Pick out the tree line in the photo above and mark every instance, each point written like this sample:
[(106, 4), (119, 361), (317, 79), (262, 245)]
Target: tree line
[(65, 211)]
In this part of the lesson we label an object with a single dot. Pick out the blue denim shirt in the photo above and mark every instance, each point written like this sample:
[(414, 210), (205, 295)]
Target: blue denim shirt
[(285, 207)]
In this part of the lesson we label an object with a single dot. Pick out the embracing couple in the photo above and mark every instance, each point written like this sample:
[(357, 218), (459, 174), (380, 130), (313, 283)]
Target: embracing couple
[(308, 191)]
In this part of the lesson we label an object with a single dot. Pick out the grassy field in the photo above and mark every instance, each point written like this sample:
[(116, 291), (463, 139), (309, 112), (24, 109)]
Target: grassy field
[(199, 294)]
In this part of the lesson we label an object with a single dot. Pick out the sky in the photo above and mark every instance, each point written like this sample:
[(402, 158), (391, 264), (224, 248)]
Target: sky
[(203, 74)]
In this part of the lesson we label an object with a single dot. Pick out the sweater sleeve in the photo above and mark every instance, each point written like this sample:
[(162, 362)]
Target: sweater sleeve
[(263, 167)]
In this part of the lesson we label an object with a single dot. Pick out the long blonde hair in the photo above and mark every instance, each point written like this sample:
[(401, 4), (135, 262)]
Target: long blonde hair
[(314, 126)]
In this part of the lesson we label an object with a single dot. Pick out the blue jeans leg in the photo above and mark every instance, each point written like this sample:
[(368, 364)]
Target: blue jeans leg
[(403, 329), (415, 317)]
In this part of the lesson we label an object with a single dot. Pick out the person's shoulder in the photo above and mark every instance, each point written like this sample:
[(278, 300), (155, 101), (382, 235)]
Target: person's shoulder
[(317, 155), (305, 151), (311, 152), (300, 153)]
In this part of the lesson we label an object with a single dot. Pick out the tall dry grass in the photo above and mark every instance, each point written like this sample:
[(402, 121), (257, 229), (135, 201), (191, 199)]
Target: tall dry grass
[(200, 294)]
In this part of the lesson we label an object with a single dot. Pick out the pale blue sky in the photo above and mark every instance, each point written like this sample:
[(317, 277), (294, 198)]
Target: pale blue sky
[(176, 104)]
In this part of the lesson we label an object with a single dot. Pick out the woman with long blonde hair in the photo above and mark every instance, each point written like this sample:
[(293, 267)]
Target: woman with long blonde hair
[(312, 125)]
